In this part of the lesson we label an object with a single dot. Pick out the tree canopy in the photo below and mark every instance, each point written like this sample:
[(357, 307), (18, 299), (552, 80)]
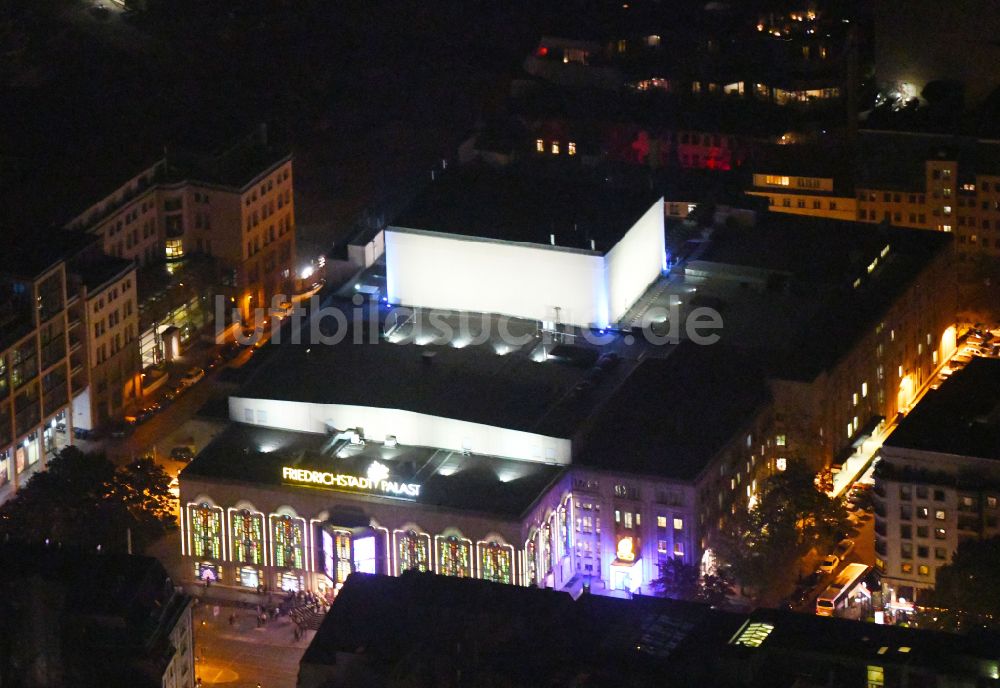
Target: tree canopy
[(682, 581), (84, 500), (966, 595), (790, 516)]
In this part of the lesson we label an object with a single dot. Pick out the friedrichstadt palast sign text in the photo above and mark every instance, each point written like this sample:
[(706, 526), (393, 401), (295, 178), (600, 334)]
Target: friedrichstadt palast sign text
[(377, 484)]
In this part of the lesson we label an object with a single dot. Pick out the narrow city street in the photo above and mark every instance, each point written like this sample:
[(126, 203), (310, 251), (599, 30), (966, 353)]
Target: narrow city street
[(243, 654)]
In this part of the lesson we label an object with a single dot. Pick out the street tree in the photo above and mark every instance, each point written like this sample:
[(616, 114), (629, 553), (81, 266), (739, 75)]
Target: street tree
[(682, 581), (966, 595), (83, 500), (789, 516)]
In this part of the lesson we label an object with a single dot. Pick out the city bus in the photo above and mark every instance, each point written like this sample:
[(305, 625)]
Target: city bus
[(843, 591)]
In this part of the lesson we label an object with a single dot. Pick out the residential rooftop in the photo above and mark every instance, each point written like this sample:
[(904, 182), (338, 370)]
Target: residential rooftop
[(962, 417), (528, 636), (522, 204), (896, 160), (103, 618), (673, 415), (97, 271), (419, 622), (254, 455), (28, 254), (797, 291)]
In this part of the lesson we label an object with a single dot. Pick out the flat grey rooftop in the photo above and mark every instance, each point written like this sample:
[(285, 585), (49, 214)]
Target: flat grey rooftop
[(519, 205), (418, 368), (961, 417)]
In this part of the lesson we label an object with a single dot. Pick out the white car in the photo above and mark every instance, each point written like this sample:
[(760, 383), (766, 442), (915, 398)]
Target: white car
[(829, 564)]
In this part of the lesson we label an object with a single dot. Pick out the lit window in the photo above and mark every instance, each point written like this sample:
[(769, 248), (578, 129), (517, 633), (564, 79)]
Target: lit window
[(939, 515), (174, 249), (752, 634), (904, 649), (618, 516), (781, 464), (864, 389), (876, 674), (850, 430), (780, 440), (661, 521), (555, 148), (854, 398), (539, 145), (571, 148), (628, 519), (678, 524)]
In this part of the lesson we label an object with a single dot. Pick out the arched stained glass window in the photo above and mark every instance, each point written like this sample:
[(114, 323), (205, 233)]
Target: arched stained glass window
[(206, 531), (412, 551), (287, 535), (530, 554), (454, 556), (247, 532), (495, 562), (547, 549)]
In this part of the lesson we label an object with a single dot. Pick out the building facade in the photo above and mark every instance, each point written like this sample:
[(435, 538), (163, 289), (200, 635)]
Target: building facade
[(34, 367), (236, 208), (108, 314), (938, 482)]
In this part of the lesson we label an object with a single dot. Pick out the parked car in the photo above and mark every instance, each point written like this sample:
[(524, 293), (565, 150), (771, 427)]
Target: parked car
[(143, 414), (844, 548), (85, 434), (192, 376), (182, 453), (230, 351), (829, 564)]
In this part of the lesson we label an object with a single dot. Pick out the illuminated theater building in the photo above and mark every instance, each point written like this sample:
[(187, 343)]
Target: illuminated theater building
[(526, 483)]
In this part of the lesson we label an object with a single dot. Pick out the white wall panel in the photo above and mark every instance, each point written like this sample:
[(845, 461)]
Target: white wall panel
[(456, 273), (636, 261), (452, 272), (409, 427)]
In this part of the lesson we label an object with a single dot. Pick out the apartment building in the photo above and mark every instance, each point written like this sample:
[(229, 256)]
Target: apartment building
[(236, 208), (87, 618), (917, 181), (34, 359), (848, 321), (108, 373), (956, 192), (937, 482), (809, 195), (69, 350)]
